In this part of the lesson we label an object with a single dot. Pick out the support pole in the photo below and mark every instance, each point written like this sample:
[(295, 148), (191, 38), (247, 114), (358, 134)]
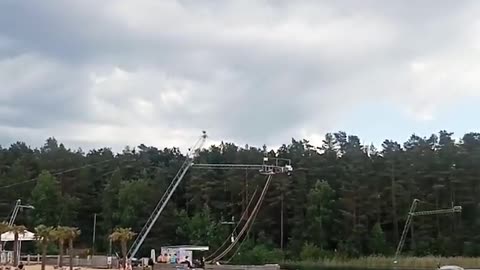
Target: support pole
[(94, 232), (281, 222)]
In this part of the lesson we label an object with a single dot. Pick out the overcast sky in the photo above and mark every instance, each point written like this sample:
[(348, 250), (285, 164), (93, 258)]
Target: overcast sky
[(124, 72)]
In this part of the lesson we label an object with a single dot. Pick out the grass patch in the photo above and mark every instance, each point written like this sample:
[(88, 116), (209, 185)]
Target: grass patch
[(380, 262)]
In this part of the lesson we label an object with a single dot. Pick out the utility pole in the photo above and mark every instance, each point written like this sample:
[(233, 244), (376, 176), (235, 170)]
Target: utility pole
[(110, 247), (394, 203), (94, 231), (281, 221), (246, 190)]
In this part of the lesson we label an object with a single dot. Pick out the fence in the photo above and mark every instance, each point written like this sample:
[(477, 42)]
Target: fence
[(6, 257), (91, 261)]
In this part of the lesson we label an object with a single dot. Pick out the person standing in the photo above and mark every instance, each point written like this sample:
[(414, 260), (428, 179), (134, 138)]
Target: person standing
[(173, 259), (151, 264), (187, 262)]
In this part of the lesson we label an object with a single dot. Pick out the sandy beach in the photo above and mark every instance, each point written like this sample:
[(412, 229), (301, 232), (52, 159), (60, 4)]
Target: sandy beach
[(51, 267)]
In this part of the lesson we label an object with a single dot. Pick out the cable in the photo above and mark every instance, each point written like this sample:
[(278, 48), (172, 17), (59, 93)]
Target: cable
[(9, 215), (234, 229), (58, 173), (245, 238), (241, 243), (255, 210)]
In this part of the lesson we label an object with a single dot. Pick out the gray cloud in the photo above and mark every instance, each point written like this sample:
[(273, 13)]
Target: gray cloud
[(127, 72)]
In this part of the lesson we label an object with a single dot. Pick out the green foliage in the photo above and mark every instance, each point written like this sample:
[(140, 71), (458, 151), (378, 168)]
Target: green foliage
[(61, 233), (310, 252), (382, 262), (252, 253), (110, 202), (348, 248), (72, 233), (470, 248), (360, 187), (44, 233), (46, 197), (4, 227), (377, 242), (122, 235), (200, 229), (320, 213), (133, 197)]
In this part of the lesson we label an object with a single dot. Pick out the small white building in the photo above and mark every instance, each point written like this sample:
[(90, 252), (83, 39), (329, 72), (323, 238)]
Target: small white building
[(7, 256), (182, 251)]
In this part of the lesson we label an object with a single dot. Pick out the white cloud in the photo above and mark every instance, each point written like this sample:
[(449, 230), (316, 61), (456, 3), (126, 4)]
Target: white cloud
[(159, 72)]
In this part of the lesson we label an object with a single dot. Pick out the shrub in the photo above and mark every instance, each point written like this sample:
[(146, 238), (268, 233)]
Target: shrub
[(310, 252)]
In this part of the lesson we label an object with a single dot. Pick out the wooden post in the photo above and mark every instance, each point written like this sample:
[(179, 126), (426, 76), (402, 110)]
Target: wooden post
[(281, 222)]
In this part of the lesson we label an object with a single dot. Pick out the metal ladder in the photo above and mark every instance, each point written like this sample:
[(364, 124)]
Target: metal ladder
[(405, 228), (412, 213)]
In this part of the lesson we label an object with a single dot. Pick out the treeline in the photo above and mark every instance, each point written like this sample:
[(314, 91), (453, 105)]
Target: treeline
[(344, 198)]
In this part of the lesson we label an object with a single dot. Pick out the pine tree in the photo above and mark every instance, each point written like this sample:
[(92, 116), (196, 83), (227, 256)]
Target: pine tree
[(377, 242), (47, 199)]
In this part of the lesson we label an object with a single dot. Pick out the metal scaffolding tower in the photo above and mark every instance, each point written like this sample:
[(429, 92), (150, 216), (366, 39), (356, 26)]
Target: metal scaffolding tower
[(279, 166), (412, 213)]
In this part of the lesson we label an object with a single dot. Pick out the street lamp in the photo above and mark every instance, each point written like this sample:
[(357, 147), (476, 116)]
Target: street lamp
[(27, 206), (17, 207)]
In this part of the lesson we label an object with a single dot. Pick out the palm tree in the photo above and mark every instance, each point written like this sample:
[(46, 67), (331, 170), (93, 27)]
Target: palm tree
[(123, 235), (60, 234), (72, 234), (44, 234), (3, 229), (17, 230)]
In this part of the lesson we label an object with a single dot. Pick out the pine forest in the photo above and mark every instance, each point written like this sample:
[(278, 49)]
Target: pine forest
[(343, 198)]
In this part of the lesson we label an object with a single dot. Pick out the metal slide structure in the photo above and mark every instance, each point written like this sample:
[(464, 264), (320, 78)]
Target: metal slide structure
[(166, 196), (249, 222), (412, 213), (265, 168), (244, 215), (280, 166)]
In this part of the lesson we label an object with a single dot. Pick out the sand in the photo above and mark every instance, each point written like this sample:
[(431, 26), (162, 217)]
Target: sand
[(50, 267)]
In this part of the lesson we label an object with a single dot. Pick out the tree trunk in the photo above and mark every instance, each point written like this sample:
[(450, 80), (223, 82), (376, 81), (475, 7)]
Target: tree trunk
[(44, 255), (124, 252), (394, 206), (60, 249), (378, 206), (321, 234), (281, 222), (412, 244), (15, 250), (70, 253), (1, 244), (437, 206)]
